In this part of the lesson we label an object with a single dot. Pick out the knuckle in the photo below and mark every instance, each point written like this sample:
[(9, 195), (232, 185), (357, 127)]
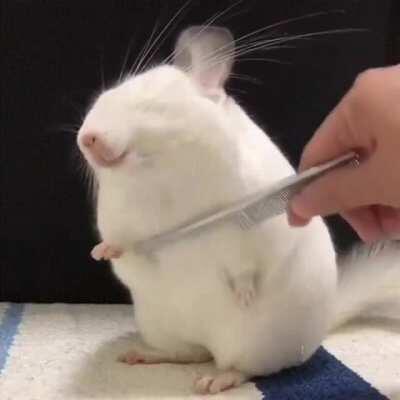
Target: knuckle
[(368, 83), (369, 78), (366, 92)]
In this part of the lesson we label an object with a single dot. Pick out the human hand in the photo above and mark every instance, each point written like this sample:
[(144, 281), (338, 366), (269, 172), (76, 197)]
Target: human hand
[(367, 121)]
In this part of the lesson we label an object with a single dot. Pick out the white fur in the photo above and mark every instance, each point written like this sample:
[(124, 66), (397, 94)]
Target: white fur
[(369, 283), (188, 152)]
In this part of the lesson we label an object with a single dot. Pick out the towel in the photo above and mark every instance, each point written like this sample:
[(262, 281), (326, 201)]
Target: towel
[(69, 351)]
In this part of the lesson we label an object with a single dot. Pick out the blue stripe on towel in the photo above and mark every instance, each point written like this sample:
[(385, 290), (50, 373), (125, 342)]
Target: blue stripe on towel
[(323, 377), (8, 329)]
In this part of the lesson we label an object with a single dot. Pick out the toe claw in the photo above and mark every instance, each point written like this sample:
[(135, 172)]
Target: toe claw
[(220, 382)]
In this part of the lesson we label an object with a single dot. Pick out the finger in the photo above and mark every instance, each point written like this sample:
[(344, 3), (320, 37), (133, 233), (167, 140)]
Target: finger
[(331, 140), (341, 190), (340, 133), (389, 218), (365, 222), (296, 221)]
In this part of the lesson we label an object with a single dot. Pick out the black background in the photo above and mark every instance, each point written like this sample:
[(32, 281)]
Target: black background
[(56, 55)]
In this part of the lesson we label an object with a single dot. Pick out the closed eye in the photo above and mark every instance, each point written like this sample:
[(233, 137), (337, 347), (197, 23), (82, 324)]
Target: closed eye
[(146, 158), (146, 155)]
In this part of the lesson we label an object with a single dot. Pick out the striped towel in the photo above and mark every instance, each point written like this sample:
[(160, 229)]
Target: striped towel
[(59, 351)]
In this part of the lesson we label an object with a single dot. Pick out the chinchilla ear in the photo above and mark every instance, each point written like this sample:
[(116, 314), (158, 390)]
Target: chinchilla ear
[(206, 53)]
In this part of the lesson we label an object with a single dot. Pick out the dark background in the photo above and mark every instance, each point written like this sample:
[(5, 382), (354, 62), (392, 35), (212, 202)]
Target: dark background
[(55, 56)]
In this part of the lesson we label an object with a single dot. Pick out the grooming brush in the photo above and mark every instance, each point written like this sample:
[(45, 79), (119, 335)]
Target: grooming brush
[(248, 212)]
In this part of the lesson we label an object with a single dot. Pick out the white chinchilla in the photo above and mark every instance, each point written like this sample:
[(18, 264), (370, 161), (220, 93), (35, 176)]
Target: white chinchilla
[(168, 144)]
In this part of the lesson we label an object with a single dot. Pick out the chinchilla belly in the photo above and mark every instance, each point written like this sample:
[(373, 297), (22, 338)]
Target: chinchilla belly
[(184, 289), (183, 293)]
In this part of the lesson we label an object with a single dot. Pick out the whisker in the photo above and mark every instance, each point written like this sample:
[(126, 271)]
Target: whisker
[(68, 128), (86, 174), (164, 30), (303, 36), (142, 54), (283, 22), (273, 60), (102, 80), (243, 77), (268, 43), (125, 61), (236, 90), (277, 24)]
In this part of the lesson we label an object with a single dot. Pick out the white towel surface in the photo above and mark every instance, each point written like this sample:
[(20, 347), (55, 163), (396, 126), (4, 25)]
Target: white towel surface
[(63, 351)]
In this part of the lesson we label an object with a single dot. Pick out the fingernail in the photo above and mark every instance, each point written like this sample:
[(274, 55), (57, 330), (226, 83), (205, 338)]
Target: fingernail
[(295, 220), (298, 207)]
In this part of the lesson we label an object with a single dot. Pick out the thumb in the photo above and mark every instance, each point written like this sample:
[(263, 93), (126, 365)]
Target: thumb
[(337, 192)]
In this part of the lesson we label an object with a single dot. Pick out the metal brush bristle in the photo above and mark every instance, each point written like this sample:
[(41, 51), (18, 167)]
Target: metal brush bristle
[(276, 202), (263, 209)]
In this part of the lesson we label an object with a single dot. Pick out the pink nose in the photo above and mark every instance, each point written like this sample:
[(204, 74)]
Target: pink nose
[(89, 139), (101, 151)]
